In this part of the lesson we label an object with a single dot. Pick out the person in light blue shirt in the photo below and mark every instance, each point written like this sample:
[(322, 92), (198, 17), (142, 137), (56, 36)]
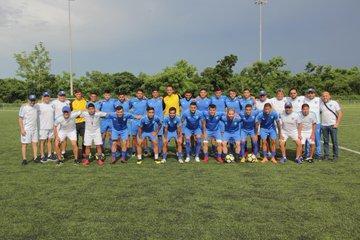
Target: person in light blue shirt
[(247, 99), (219, 101), (192, 119), (232, 124), (94, 98), (186, 100), (157, 103), (202, 101), (268, 120), (212, 131), (149, 127), (107, 105), (123, 101), (233, 101), (248, 118), (172, 130)]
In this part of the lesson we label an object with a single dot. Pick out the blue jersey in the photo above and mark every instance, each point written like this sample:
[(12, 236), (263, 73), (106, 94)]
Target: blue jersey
[(267, 121), (138, 106), (172, 124), (107, 106), (202, 103), (157, 104), (149, 125), (185, 104), (125, 104), (212, 123), (232, 125), (119, 123), (244, 102), (233, 103), (249, 121), (219, 102), (193, 120)]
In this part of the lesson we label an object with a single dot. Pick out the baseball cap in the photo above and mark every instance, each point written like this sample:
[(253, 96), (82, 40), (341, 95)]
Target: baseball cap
[(32, 97), (66, 109), (90, 105), (46, 94), (288, 105), (61, 93), (311, 90), (262, 93)]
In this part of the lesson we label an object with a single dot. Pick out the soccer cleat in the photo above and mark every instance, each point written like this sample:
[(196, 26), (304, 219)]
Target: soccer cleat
[(139, 162), (85, 162), (59, 163), (157, 161), (24, 162), (43, 159), (163, 161), (243, 160), (181, 161), (197, 159), (100, 162), (298, 161), (37, 160), (219, 160), (273, 160), (206, 160), (76, 162), (265, 160), (309, 160), (123, 160), (283, 160), (187, 159)]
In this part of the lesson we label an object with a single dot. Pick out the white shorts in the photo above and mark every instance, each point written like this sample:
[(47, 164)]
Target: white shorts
[(306, 137), (31, 136), (65, 134), (91, 137), (293, 135), (46, 134)]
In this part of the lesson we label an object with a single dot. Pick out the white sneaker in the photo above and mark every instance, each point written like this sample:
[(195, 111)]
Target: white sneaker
[(197, 159), (187, 159), (163, 161), (181, 161)]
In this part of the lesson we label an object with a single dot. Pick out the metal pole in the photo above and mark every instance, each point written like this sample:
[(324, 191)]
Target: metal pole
[(70, 51), (260, 35)]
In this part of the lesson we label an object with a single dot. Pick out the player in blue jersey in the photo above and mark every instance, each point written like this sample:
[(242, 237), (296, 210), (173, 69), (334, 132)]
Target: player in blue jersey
[(157, 103), (192, 128), (248, 118), (233, 101), (212, 131), (172, 130), (138, 107), (232, 124), (247, 99), (149, 127), (107, 105), (219, 101), (186, 100), (268, 120), (202, 101), (94, 98), (123, 101), (119, 132)]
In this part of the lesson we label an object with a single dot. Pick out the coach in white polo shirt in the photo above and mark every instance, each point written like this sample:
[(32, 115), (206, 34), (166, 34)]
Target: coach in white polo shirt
[(314, 103), (28, 120), (331, 116)]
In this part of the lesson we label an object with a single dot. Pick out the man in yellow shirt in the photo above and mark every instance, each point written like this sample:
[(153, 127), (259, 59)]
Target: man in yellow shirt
[(79, 104), (171, 100)]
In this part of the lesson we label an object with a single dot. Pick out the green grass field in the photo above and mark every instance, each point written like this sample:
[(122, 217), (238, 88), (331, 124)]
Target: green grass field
[(172, 201)]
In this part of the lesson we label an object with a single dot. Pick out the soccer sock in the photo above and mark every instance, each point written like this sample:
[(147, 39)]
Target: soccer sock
[(62, 152), (213, 148), (255, 148), (187, 147), (273, 153), (123, 154), (139, 157), (164, 155), (113, 155), (179, 154), (160, 142), (156, 156), (242, 150), (206, 155), (198, 147), (49, 155)]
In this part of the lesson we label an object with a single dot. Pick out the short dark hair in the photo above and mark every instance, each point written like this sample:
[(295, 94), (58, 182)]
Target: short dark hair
[(93, 92), (246, 89), (232, 90), (188, 91), (107, 91), (193, 104), (120, 92), (77, 91), (293, 88), (172, 109), (202, 89), (119, 107), (140, 90), (305, 105), (212, 106), (248, 105), (149, 109), (267, 105), (155, 89)]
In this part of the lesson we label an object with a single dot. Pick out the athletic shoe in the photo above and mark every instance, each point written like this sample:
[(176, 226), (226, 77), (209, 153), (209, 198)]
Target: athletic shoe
[(100, 162), (197, 159), (206, 160), (59, 162), (139, 161), (298, 161), (265, 160), (43, 159), (24, 162), (85, 162), (157, 161), (76, 161), (187, 159), (219, 160), (123, 160), (37, 160), (309, 160), (273, 160), (283, 160), (243, 160), (163, 161), (325, 158), (181, 161)]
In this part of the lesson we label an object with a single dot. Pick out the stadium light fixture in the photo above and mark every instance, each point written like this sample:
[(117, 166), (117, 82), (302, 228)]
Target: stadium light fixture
[(70, 49), (261, 3)]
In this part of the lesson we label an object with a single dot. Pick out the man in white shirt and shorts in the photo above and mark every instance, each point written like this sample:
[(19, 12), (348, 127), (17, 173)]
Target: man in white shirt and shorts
[(308, 127)]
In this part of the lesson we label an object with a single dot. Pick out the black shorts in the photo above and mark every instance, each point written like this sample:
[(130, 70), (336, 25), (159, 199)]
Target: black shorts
[(80, 129)]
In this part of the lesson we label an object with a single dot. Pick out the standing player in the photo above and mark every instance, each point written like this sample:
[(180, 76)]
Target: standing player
[(171, 100), (247, 99), (185, 101), (65, 127), (296, 101), (278, 102), (232, 124), (28, 119), (172, 130), (233, 101), (107, 105), (46, 124), (248, 118), (122, 101), (263, 99), (79, 104), (92, 133), (149, 127), (290, 128), (212, 131), (308, 127), (119, 132), (202, 101), (192, 128), (268, 120), (156, 102), (94, 98), (219, 101)]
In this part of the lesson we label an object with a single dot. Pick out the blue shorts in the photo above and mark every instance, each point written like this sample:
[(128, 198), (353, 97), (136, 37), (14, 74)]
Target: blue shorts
[(123, 134), (105, 125), (148, 135), (188, 132), (245, 133), (171, 135), (264, 133), (134, 126), (231, 136), (213, 135)]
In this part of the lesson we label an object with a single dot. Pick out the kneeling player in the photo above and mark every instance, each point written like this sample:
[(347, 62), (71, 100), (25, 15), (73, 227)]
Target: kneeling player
[(64, 127), (232, 132), (290, 128), (268, 120), (248, 118), (149, 127), (93, 133), (119, 132), (192, 118), (211, 131), (172, 130), (308, 128)]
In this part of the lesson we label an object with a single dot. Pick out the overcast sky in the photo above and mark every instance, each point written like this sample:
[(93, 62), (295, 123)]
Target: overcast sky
[(148, 35)]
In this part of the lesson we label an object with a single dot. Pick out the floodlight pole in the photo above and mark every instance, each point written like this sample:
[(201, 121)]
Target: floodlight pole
[(70, 50), (260, 3)]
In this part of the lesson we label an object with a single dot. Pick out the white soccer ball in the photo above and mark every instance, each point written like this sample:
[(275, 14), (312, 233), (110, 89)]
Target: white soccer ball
[(251, 158), (229, 158)]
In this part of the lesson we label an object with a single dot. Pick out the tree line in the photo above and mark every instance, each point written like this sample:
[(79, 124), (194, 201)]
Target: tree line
[(34, 76)]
